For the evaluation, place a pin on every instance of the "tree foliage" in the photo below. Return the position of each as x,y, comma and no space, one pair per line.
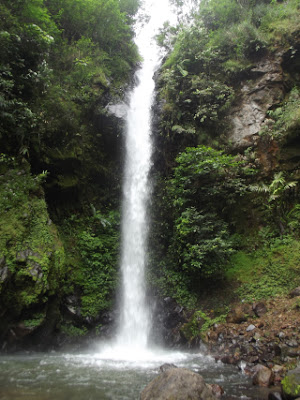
58,59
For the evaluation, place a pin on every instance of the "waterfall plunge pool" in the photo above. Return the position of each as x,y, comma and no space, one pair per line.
104,376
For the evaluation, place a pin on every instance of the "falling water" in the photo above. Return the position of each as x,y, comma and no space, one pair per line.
135,315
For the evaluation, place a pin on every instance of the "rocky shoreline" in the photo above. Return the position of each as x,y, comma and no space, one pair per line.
262,339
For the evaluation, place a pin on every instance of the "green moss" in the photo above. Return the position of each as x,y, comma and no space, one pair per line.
268,272
29,242
290,385
92,245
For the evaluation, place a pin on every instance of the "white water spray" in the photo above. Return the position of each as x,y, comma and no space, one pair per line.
135,315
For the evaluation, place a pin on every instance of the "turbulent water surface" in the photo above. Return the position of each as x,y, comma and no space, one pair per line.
87,376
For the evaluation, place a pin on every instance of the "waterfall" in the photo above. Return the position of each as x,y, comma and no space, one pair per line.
135,315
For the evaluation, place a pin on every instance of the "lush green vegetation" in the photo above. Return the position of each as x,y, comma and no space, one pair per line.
210,56
32,255
271,270
93,248
205,184
216,208
61,63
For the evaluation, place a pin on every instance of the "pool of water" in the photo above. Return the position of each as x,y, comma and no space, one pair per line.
101,375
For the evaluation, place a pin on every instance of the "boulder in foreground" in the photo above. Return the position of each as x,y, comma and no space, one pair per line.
178,384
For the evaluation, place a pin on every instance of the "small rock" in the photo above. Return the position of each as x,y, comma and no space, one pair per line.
216,389
278,372
263,376
259,309
281,335
72,310
238,315
292,343
4,274
277,369
230,359
250,328
292,352
295,292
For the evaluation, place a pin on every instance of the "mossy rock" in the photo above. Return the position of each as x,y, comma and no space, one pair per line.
31,253
291,384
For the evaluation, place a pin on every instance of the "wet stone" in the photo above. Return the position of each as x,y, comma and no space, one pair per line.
263,376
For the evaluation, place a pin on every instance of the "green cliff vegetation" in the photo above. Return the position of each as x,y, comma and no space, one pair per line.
62,62
226,219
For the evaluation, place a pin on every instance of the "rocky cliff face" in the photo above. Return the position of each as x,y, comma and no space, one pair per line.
262,91
267,87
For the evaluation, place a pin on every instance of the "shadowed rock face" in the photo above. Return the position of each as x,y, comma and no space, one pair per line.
178,384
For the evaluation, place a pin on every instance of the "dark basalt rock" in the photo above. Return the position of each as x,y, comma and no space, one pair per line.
168,317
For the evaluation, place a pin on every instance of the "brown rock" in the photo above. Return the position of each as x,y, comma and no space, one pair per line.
259,309
230,359
178,384
216,389
239,314
263,376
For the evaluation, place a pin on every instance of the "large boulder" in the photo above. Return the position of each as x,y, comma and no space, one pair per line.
178,384
291,384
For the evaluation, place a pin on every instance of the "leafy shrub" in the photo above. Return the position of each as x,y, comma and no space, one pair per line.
95,272
206,182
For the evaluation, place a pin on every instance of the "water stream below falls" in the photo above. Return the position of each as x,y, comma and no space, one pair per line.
87,376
